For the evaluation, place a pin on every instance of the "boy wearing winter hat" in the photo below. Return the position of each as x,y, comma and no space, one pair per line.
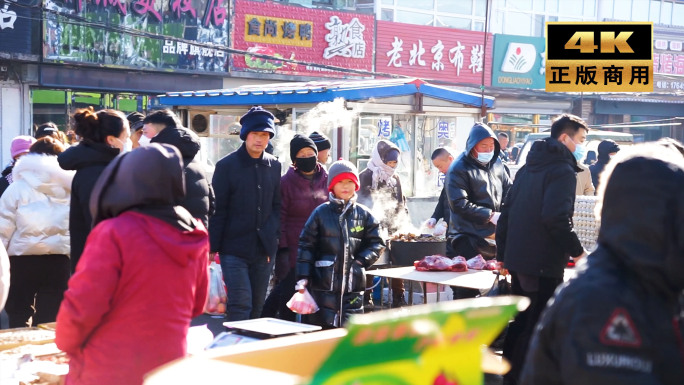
322,256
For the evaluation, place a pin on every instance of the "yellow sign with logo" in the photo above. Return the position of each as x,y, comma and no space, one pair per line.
599,57
275,30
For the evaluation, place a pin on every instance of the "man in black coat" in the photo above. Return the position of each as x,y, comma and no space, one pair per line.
477,183
199,196
620,320
535,233
245,228
606,149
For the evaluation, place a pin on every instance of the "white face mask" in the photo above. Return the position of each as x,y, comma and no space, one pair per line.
143,141
485,157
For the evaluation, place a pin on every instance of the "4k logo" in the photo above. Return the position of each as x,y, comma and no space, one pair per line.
599,57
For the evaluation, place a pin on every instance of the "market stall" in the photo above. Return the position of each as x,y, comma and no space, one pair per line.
417,116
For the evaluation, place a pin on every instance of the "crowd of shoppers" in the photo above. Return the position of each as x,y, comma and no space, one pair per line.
89,239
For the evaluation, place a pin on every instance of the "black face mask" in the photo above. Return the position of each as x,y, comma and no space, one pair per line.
306,164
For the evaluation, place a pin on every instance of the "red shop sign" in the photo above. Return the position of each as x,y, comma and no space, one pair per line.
446,54
318,36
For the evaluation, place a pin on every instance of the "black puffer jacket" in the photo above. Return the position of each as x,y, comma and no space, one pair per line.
619,321
535,231
475,190
334,237
89,160
199,196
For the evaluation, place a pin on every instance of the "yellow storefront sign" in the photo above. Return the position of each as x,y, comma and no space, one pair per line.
275,30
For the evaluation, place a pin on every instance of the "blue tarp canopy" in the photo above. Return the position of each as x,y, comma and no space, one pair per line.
321,91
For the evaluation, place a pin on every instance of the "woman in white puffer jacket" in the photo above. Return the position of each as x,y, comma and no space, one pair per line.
34,228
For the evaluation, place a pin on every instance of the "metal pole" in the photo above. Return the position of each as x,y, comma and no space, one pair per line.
483,107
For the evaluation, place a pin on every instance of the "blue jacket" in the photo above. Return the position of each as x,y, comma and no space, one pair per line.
247,218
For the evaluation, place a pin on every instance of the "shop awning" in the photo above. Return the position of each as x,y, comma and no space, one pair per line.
321,91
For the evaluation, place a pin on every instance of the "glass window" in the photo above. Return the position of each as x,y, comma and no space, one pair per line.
387,2
463,7
552,6
387,14
479,26
453,22
666,13
621,12
639,10
413,17
589,8
519,5
539,5
570,8
678,14
480,7
539,26
425,5
433,132
654,14
399,131
517,23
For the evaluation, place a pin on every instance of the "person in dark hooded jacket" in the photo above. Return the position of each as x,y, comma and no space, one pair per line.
104,135
620,320
339,241
129,304
476,185
535,232
199,198
606,149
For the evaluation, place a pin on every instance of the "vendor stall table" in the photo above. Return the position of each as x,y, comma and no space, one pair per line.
471,279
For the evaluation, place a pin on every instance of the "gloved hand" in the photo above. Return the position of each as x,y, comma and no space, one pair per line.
495,218
441,229
431,223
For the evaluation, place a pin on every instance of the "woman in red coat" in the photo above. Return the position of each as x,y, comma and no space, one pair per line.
142,276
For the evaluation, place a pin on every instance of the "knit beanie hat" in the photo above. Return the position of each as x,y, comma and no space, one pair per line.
21,144
340,171
299,142
391,156
257,120
135,120
322,141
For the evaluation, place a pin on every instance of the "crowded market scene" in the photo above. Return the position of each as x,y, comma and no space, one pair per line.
342,192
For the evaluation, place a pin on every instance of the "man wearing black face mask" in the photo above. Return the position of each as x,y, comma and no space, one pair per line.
303,188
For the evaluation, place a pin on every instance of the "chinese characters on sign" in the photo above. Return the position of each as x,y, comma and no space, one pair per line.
441,177
432,52
599,57
7,17
275,30
345,40
199,26
384,127
671,61
443,130
313,36
455,56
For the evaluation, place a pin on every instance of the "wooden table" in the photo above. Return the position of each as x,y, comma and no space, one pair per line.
471,279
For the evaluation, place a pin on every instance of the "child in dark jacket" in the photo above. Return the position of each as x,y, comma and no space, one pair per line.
340,239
